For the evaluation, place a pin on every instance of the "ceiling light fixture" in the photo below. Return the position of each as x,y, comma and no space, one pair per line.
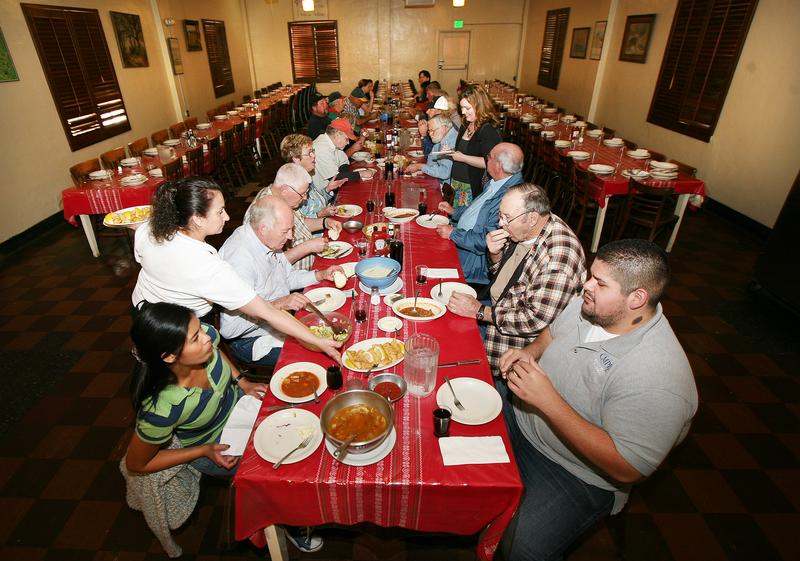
458,3
308,5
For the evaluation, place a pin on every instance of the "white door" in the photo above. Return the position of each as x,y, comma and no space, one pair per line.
453,59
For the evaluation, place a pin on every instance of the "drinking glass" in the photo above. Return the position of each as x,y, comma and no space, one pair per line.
359,311
421,274
361,245
421,364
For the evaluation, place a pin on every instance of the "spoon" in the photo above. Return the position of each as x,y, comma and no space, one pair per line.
341,451
416,295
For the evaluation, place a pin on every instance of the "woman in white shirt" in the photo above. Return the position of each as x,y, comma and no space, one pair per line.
179,267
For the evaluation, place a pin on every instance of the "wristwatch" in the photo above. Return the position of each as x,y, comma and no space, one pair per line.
479,315
236,378
323,222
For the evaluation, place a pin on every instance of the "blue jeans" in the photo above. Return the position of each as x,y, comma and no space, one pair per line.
242,349
207,466
556,508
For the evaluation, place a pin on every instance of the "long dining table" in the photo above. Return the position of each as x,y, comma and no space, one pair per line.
410,488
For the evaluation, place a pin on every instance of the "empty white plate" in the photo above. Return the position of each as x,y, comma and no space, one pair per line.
601,169
284,430
441,292
481,401
432,220
396,286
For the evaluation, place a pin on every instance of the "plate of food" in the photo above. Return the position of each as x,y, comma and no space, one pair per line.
370,228
335,250
366,173
400,215
326,298
441,292
432,220
384,352
348,211
416,153
362,156
131,216
425,309
349,268
297,382
283,431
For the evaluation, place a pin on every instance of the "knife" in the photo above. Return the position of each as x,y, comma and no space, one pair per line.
460,363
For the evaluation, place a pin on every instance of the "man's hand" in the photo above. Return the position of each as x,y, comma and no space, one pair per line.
463,305
314,245
291,302
444,231
416,166
334,184
496,240
510,358
327,274
446,207
532,385
334,225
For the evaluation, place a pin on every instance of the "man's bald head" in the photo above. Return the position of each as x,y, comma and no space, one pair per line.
509,158
267,210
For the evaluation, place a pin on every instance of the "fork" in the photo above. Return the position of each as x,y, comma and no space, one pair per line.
456,401
300,446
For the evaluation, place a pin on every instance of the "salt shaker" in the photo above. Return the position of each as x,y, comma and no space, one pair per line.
375,297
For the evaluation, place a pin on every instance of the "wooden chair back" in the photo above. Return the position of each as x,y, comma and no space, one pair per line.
173,170
195,158
176,129
214,154
608,133
80,171
648,207
136,147
685,168
159,137
210,114
190,123
238,138
250,132
629,144
111,158
657,155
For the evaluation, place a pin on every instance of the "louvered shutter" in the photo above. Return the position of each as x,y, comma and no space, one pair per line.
315,51
555,34
702,51
219,60
74,55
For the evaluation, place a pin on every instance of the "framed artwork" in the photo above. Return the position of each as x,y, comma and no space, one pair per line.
580,42
130,39
636,40
191,29
598,36
175,55
8,72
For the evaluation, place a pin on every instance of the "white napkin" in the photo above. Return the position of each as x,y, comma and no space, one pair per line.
442,273
239,425
460,450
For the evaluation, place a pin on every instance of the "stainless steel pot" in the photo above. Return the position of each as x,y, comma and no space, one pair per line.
356,397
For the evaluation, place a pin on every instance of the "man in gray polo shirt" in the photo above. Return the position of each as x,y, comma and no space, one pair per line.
599,400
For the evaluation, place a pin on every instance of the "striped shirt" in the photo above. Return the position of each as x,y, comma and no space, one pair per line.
195,415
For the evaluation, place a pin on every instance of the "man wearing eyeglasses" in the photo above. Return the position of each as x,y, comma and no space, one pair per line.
536,266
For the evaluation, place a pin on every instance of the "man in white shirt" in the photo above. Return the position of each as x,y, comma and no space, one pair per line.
255,251
332,161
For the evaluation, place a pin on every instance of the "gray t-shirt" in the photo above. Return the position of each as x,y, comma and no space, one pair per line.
637,387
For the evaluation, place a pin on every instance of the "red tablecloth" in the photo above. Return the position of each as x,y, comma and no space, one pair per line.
410,488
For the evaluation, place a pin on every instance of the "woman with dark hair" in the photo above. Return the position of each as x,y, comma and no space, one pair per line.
362,93
178,266
476,138
424,80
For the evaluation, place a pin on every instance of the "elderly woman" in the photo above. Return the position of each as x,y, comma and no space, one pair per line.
476,138
179,267
299,149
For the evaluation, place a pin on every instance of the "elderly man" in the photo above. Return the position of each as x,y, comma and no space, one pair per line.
533,277
255,251
318,120
298,148
475,221
331,160
291,185
442,133
599,400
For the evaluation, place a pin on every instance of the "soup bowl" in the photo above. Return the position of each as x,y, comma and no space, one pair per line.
392,266
357,397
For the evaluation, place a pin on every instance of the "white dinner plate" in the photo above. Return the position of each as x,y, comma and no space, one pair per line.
284,430
332,298
348,211
131,180
578,155
366,344
663,175
366,173
639,154
601,169
336,250
432,220
349,268
390,324
392,214
426,303
666,166
369,458
563,143
615,142
635,173
447,289
279,376
203,126
481,401
100,174
416,153
595,133
390,299
362,156
129,162
172,142
396,286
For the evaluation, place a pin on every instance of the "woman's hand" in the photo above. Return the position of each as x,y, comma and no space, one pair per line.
329,347
457,156
332,186
446,207
253,389
214,453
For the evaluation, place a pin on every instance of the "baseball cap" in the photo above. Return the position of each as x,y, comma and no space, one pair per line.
316,97
333,96
344,125
441,103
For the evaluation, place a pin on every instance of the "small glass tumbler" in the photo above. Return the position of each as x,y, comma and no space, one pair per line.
441,422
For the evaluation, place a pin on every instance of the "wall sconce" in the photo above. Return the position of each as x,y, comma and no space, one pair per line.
458,3
308,5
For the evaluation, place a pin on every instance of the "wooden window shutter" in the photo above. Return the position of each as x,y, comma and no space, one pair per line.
315,51
219,60
702,51
555,34
74,55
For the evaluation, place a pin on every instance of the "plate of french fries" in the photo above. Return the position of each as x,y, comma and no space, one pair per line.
377,353
126,217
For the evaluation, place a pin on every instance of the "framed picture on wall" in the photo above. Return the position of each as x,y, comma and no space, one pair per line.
580,42
175,55
191,29
636,40
130,39
598,36
8,72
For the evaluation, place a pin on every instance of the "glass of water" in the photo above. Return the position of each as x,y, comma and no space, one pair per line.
421,364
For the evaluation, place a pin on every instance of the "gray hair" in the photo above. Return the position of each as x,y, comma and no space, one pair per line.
510,160
440,121
248,214
293,175
534,198
265,210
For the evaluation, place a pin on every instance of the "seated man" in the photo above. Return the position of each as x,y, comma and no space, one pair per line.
599,400
298,148
533,278
475,221
318,120
331,160
255,251
442,134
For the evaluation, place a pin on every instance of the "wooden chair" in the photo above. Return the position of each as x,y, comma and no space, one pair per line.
629,144
111,158
136,147
656,155
190,123
215,158
608,133
651,208
81,171
159,137
196,161
584,206
173,170
250,155
591,126
685,168
176,129
210,114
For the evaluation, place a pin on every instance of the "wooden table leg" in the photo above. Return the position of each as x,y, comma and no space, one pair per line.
276,543
86,222
598,225
680,209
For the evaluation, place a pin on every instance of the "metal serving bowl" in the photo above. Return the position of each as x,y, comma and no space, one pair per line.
389,377
355,397
353,226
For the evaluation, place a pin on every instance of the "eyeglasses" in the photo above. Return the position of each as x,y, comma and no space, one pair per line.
507,220
307,154
303,196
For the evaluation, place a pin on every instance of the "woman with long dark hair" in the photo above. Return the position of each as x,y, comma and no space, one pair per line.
178,266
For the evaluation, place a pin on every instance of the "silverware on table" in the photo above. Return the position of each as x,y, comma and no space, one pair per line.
300,446
272,408
316,396
459,363
456,401
341,451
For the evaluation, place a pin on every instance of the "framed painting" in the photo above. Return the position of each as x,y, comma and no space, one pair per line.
580,42
598,36
130,39
636,40
175,55
191,30
8,72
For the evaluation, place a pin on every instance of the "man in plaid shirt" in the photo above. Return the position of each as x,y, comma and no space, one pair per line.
536,265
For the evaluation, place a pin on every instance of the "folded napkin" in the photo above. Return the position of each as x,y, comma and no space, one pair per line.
442,273
239,425
461,450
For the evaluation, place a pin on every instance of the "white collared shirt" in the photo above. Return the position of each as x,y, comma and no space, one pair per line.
329,160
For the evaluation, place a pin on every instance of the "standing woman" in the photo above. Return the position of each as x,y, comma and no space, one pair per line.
179,267
476,138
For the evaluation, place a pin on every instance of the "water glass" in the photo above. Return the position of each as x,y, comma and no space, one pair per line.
421,364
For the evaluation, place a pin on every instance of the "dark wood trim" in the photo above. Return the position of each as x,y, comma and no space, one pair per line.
15,243
737,218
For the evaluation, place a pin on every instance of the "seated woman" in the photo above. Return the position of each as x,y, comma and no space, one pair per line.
299,149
